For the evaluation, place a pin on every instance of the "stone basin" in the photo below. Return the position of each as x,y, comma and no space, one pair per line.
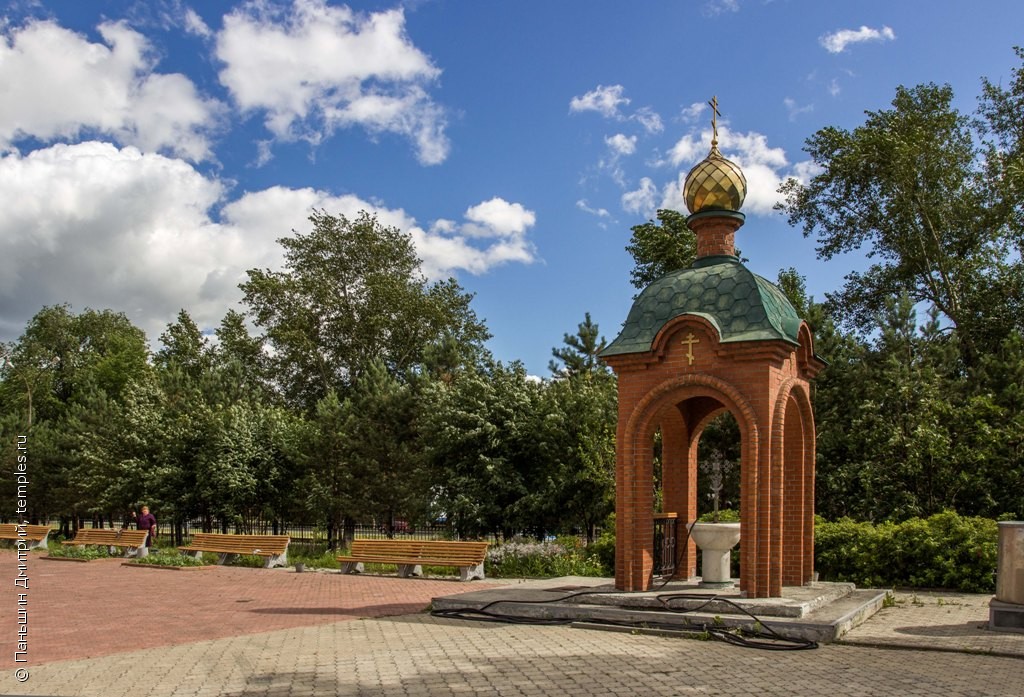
716,541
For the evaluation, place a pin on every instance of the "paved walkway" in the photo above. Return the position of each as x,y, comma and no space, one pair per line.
101,629
938,621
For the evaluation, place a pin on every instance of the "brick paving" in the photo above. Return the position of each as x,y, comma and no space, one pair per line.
939,621
299,635
86,610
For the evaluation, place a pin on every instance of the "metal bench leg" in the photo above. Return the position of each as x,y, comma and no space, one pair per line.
276,560
222,559
352,567
139,552
468,573
407,570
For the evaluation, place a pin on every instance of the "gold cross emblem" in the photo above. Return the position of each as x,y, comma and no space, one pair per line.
690,340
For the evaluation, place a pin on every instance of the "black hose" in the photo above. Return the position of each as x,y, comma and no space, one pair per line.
765,638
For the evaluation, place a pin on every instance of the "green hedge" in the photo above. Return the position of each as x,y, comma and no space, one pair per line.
947,551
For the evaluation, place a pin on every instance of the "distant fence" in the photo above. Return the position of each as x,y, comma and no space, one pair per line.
311,535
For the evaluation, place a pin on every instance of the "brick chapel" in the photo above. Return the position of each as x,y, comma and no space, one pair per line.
698,341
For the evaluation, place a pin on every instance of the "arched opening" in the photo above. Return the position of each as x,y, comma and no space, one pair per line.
795,455
719,441
681,411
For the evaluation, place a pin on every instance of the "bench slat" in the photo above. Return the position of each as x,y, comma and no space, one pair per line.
9,531
468,556
273,547
108,538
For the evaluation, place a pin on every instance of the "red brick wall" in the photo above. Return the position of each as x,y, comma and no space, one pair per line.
678,386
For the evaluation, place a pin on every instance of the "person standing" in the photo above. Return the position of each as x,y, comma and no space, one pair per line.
146,521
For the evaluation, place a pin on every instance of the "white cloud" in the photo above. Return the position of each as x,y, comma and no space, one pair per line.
649,119
713,8
57,85
762,165
195,25
641,201
805,170
833,87
837,41
765,168
314,68
498,217
444,247
106,227
607,102
746,147
585,207
603,100
690,148
672,195
621,144
443,226
795,109
693,112
762,184
101,226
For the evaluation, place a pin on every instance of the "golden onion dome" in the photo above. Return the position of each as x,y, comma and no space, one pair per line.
715,183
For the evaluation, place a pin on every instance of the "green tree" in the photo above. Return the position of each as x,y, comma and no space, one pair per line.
61,382
580,355
794,285
1000,111
241,360
184,348
908,188
328,486
575,487
351,291
481,432
61,356
660,247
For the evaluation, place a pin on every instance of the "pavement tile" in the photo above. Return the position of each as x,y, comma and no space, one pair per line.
79,610
101,630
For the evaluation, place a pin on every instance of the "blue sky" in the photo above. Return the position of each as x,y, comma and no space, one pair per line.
151,152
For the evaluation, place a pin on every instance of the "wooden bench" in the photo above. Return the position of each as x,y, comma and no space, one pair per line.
34,535
411,555
273,547
132,541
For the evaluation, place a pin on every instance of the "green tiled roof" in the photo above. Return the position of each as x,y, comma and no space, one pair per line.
741,304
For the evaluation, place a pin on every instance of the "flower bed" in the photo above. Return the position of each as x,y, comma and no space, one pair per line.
161,559
529,559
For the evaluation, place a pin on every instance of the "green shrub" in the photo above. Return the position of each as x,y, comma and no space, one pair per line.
72,552
945,550
604,549
725,515
168,557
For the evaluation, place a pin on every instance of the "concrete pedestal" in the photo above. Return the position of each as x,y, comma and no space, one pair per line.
1005,617
1006,611
716,541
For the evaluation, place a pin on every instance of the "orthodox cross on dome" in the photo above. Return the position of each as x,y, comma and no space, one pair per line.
715,113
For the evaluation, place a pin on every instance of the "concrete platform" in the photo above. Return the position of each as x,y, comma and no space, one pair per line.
821,612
